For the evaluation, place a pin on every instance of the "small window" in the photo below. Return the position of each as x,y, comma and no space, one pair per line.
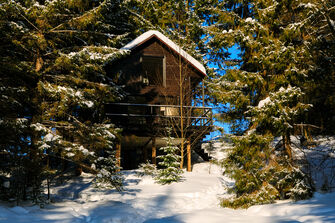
153,70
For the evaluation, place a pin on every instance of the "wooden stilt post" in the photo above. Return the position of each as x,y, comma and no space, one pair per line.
182,154
145,154
153,151
188,149
118,154
287,145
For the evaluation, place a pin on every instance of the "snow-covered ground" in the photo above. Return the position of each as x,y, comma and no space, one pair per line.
320,157
193,200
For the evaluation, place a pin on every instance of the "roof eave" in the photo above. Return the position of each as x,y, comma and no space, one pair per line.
130,46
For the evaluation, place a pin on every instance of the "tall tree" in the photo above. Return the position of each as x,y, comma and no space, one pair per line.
319,87
281,44
268,90
54,84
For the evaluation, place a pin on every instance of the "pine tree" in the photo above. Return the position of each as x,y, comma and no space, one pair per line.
319,24
105,161
54,85
262,173
281,44
170,162
264,94
17,81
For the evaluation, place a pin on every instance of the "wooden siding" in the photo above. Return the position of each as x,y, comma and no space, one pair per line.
130,72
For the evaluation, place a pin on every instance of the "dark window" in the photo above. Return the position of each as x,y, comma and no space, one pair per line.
153,70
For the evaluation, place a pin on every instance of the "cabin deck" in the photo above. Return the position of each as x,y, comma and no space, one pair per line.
144,127
149,119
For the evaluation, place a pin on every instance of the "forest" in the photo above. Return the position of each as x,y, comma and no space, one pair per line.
54,85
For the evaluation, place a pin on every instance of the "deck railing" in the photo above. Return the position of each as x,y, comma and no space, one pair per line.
159,114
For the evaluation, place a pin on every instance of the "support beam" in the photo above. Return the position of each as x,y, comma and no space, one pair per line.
145,154
145,151
118,154
153,151
287,146
188,149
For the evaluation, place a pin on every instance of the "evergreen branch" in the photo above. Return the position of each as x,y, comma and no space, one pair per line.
52,123
234,60
78,31
18,53
77,121
144,19
57,124
25,18
331,27
70,78
72,161
77,18
85,43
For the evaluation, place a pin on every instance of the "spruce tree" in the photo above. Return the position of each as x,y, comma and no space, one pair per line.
262,172
170,162
265,94
17,82
319,25
281,44
54,85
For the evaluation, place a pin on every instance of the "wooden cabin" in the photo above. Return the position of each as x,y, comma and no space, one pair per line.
160,80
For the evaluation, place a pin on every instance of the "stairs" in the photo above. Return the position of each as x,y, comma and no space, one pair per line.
201,152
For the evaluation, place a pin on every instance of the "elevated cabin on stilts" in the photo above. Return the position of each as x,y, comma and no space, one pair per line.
160,80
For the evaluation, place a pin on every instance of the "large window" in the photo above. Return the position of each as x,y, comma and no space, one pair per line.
153,70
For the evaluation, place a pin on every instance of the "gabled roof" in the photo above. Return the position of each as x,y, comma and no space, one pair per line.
153,33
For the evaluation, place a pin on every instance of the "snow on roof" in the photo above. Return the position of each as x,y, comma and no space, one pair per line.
153,33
